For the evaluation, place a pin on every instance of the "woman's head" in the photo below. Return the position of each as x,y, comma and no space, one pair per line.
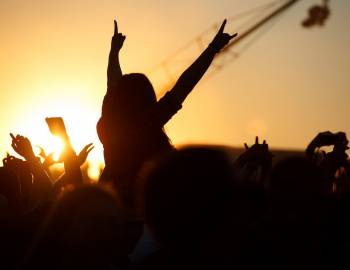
135,93
128,105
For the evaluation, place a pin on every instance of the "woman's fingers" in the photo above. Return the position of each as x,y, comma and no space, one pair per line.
221,30
90,149
115,28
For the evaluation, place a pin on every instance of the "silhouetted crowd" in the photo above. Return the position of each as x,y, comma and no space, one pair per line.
158,207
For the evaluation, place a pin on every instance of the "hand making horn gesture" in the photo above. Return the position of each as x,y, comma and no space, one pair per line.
221,39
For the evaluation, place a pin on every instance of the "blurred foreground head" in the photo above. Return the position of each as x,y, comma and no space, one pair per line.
189,200
85,228
296,185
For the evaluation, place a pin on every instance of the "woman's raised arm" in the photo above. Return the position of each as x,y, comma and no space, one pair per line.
114,72
195,72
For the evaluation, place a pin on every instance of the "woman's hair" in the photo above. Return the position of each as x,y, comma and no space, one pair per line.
138,85
129,104
134,97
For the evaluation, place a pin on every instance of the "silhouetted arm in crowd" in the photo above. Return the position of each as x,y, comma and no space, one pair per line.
329,163
83,154
195,72
22,169
327,138
72,175
48,160
114,72
72,163
42,186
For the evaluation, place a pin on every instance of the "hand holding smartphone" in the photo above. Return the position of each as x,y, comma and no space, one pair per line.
57,127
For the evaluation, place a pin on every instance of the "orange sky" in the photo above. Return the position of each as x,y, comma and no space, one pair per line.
289,85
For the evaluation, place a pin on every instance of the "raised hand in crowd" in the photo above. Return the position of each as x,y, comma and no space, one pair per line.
256,160
114,72
42,186
326,138
48,158
334,159
68,155
23,172
23,147
333,164
83,154
71,160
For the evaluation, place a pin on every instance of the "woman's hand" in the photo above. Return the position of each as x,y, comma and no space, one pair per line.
221,39
117,39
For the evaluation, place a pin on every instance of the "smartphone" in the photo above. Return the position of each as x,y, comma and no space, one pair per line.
56,126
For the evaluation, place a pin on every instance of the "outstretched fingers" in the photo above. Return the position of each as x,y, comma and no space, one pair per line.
222,27
87,146
233,36
86,150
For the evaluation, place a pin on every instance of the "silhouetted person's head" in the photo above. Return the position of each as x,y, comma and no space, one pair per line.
296,183
85,227
134,98
131,103
188,200
297,209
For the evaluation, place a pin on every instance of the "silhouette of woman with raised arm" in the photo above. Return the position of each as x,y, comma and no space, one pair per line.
131,126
